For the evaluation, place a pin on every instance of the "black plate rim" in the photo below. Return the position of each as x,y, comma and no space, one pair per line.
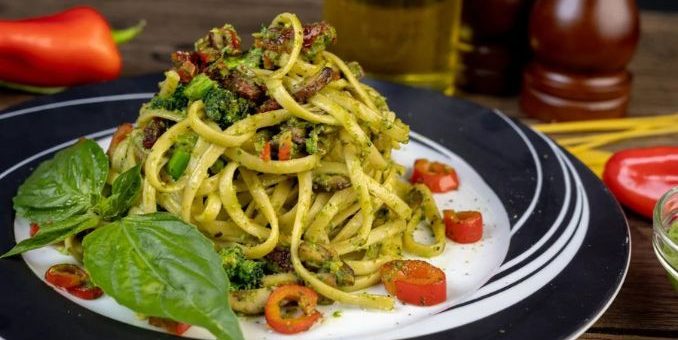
580,169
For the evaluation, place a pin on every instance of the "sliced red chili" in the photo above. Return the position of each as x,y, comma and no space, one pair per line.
66,275
414,281
34,229
436,176
86,291
463,226
174,327
285,147
266,152
306,300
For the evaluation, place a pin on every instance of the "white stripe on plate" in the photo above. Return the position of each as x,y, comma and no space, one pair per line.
504,299
540,176
75,102
54,149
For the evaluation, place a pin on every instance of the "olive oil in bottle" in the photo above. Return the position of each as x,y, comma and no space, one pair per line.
407,41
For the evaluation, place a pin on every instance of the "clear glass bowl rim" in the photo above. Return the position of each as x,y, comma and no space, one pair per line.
661,227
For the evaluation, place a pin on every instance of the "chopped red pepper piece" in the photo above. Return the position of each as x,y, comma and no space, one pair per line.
285,147
34,229
66,275
639,177
415,282
86,291
174,327
436,176
463,226
306,299
266,152
74,279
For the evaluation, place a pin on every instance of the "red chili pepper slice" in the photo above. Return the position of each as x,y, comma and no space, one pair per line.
86,291
463,226
638,177
266,152
306,299
34,229
436,176
415,282
174,327
171,326
285,148
66,275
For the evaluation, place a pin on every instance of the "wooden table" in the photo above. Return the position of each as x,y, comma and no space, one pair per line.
646,307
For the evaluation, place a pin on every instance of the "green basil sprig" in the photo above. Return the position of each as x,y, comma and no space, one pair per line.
154,264
124,192
65,195
158,265
69,184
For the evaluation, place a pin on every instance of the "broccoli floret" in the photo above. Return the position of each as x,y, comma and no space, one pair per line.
242,272
251,59
312,142
224,107
317,141
198,87
177,101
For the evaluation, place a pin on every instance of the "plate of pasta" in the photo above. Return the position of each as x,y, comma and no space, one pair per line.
273,191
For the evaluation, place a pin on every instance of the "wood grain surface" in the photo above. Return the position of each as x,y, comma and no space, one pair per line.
646,307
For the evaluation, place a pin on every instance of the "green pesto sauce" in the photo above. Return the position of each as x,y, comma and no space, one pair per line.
673,235
671,255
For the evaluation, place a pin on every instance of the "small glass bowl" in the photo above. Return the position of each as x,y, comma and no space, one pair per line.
665,240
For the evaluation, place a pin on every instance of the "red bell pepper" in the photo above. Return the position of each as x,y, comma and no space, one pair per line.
69,48
638,177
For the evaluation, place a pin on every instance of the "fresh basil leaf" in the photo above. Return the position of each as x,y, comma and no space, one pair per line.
68,184
55,232
158,265
124,192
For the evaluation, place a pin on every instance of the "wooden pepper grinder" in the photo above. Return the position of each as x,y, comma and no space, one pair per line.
581,49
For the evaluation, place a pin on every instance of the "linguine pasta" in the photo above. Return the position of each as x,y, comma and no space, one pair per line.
262,203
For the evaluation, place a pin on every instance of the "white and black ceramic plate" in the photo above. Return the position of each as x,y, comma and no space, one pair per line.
554,255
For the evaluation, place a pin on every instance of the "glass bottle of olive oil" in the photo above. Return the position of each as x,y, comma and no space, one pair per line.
407,41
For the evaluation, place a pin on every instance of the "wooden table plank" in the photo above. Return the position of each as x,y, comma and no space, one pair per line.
646,307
